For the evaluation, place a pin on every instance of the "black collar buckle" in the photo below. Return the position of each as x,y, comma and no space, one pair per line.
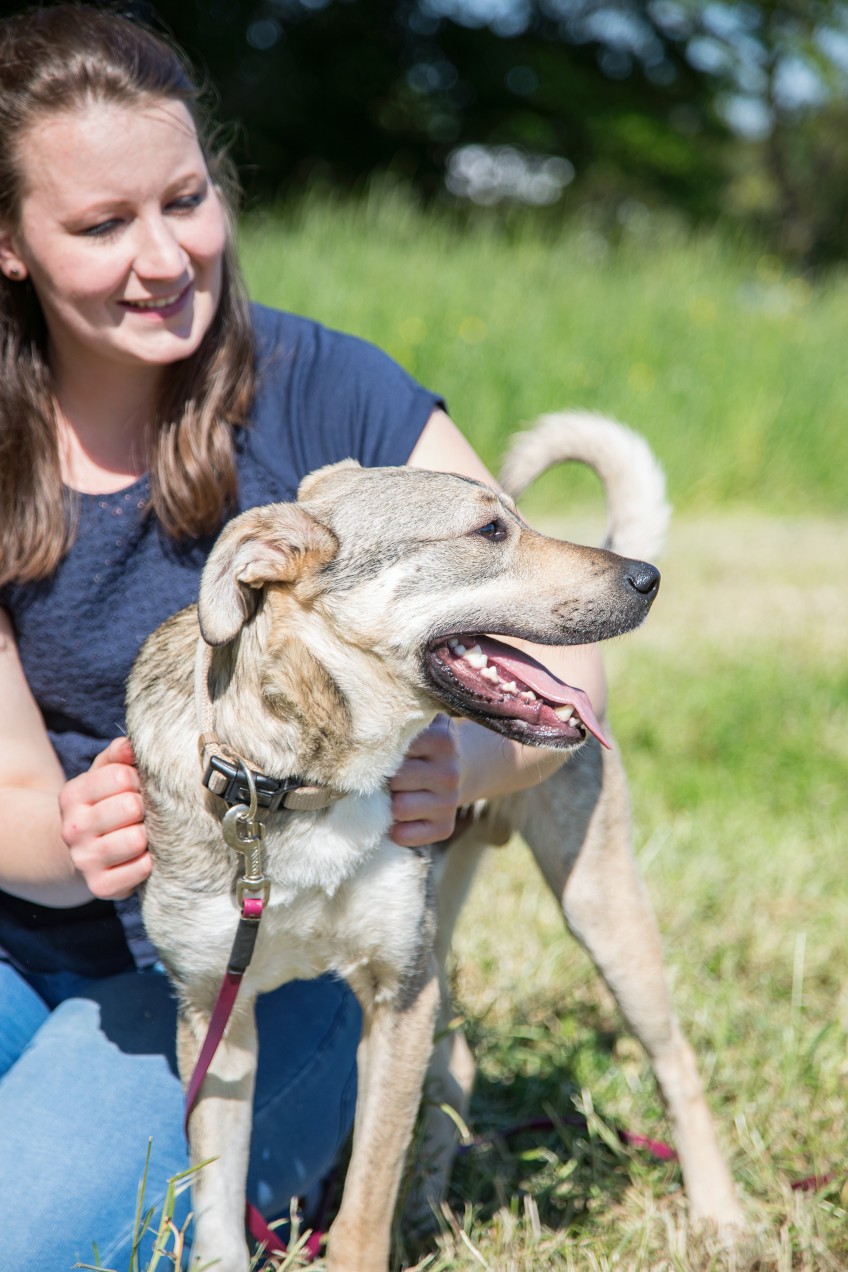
230,784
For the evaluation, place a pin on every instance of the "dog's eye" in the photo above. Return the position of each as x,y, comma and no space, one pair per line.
493,530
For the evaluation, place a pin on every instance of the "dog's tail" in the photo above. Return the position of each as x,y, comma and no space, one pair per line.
637,510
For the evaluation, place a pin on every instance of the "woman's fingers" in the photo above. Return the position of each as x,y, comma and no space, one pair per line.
425,789
103,823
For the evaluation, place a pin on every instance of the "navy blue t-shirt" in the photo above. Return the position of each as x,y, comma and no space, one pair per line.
321,397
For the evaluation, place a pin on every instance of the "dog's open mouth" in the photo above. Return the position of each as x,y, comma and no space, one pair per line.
510,692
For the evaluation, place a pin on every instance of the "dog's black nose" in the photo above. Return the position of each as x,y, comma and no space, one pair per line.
643,578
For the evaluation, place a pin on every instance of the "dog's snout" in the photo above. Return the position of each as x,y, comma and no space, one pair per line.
643,578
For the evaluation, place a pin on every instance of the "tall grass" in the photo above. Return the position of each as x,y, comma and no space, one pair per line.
729,364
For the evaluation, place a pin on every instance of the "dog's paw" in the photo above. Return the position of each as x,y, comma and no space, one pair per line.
728,1231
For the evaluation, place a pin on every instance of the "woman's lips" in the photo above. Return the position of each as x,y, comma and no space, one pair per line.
159,307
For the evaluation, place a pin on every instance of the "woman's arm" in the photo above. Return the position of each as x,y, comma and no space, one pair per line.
104,846
34,863
454,763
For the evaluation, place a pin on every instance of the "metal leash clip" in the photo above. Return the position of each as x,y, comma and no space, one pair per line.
245,834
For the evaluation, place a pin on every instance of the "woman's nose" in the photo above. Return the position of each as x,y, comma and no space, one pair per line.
159,252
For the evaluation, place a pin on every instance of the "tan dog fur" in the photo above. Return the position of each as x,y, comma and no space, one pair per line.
320,616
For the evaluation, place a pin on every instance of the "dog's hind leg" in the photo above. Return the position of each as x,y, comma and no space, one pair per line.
577,825
395,1047
219,1128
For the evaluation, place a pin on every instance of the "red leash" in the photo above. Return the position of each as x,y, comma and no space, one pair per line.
232,778
657,1148
245,936
240,955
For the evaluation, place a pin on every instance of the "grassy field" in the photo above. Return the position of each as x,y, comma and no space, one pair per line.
730,707
727,363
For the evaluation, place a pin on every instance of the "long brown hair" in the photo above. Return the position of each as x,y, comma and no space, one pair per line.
57,59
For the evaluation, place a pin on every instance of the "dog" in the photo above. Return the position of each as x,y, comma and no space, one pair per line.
328,632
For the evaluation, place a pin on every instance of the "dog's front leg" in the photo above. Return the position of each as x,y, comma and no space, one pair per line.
450,1076
219,1128
397,1038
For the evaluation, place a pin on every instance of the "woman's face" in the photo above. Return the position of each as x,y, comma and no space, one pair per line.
121,233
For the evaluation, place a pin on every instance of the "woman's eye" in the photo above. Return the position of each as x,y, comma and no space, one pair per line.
102,230
188,202
493,530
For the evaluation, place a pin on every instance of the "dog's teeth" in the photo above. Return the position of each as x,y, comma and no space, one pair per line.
490,673
527,696
476,658
565,713
510,686
458,649
453,642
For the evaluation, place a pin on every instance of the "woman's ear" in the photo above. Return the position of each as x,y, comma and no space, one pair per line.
12,264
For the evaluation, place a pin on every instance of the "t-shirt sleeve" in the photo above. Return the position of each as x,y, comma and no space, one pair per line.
324,396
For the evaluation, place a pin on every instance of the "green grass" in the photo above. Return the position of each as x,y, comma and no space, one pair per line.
731,708
728,364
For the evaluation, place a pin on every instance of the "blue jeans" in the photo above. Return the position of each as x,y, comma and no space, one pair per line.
88,1075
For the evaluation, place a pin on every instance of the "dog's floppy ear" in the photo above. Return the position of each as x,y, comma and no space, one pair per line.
278,543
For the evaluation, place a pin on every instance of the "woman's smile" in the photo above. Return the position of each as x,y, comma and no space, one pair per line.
159,306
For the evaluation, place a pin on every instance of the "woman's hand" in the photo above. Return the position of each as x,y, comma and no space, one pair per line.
425,789
103,823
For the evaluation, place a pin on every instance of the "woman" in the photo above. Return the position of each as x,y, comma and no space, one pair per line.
142,403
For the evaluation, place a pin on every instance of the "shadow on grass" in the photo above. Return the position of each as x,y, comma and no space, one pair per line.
537,1133
554,1158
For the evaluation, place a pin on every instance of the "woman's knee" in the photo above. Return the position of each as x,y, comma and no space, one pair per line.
98,1082
78,1110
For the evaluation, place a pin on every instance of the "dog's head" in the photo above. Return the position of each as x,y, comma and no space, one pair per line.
416,572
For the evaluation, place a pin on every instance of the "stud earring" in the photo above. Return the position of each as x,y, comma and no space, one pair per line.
14,271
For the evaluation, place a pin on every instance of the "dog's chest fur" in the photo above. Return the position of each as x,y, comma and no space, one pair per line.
369,929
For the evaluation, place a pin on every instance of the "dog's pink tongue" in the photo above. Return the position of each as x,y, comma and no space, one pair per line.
543,682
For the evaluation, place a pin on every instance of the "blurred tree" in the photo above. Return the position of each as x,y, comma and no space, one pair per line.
341,89
716,108
780,71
